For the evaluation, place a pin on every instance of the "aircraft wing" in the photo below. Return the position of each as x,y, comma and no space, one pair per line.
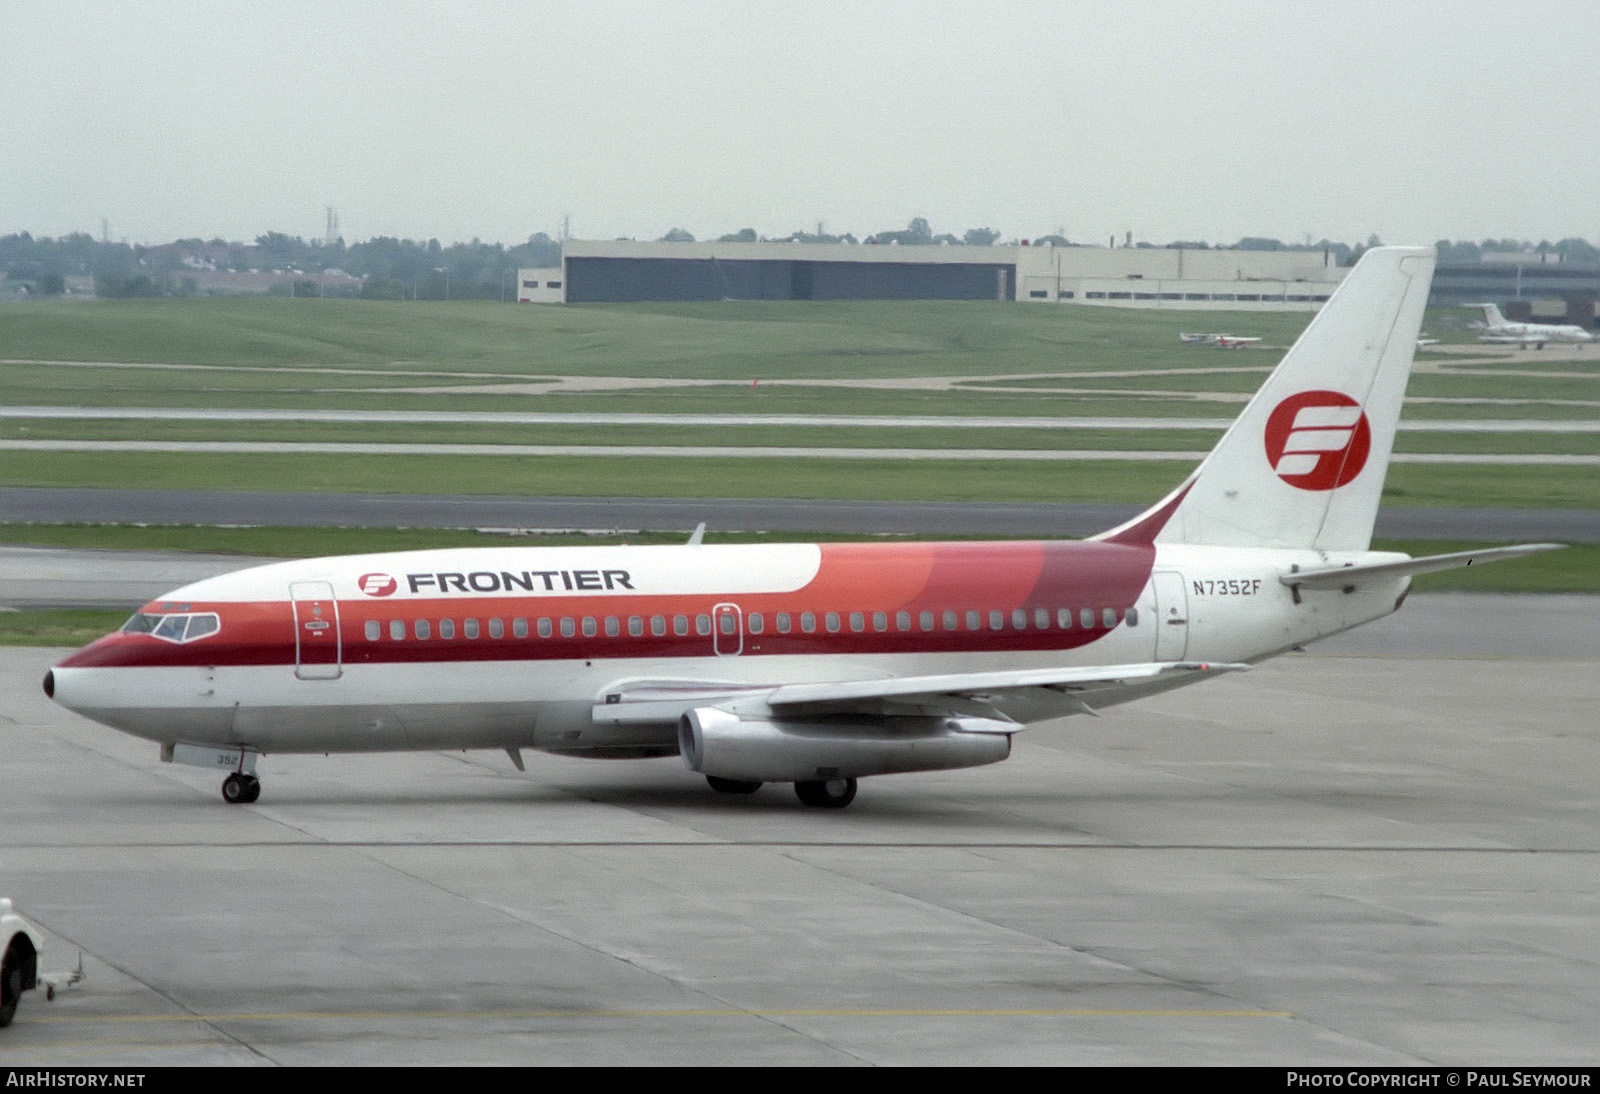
663,701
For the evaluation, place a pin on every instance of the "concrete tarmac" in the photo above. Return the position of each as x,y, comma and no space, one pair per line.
1379,853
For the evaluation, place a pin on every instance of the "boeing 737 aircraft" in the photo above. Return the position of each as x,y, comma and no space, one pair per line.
815,665
1499,329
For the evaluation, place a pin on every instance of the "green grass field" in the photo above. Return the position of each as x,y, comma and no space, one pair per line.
300,354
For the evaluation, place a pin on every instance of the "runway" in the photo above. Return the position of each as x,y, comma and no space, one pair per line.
740,452
798,421
52,505
1384,852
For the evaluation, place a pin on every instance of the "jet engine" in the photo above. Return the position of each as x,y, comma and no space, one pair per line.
723,745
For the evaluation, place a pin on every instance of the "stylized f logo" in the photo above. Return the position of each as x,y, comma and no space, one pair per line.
1318,440
377,584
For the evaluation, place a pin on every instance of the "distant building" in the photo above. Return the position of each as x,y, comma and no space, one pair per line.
613,271
540,285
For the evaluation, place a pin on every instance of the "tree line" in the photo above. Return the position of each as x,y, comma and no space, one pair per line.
387,268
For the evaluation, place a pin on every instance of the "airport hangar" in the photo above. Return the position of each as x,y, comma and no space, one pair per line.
1183,278
1188,278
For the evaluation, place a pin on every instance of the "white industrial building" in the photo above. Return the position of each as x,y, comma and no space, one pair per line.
1132,277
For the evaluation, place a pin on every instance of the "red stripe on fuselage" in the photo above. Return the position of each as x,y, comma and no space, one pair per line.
868,579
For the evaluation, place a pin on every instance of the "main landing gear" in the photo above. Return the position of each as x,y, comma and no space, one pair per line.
240,789
822,794
827,793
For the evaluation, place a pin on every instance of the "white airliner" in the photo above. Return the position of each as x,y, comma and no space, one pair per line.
807,664
1499,329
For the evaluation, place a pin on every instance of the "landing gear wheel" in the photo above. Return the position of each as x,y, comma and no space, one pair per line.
732,786
11,985
827,793
240,789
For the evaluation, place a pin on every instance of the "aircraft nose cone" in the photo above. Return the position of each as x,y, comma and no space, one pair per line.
50,683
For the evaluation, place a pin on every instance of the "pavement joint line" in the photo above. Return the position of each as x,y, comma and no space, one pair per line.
730,1012
723,843
792,452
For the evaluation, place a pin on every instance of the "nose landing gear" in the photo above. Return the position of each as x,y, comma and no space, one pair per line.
240,789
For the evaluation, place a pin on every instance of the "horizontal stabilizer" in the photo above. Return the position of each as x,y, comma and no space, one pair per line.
1336,577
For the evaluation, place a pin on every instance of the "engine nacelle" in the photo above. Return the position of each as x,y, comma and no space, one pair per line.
726,746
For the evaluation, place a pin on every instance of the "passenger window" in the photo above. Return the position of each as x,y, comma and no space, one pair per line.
658,625
447,628
858,622
422,629
469,628
546,628
1019,619
728,623
950,623
926,621
1064,618
1086,618
680,625
880,621
1132,617
397,629
831,621
902,621
613,626
1108,617
519,627
589,627
568,627
997,620
784,623
702,624
1041,618
635,625
973,622
374,630
808,622
755,623
497,628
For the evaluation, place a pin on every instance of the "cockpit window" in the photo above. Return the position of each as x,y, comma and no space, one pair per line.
174,626
171,627
141,623
200,625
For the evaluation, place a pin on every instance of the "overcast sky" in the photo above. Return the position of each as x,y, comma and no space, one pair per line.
1176,119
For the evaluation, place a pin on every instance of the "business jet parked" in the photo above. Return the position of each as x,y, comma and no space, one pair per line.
1497,328
806,664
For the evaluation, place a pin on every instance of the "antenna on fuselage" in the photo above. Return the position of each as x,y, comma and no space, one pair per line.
698,534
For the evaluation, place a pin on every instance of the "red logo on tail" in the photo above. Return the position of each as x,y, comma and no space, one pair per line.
377,584
1318,440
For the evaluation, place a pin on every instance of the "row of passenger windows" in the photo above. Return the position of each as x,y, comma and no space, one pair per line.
1039,619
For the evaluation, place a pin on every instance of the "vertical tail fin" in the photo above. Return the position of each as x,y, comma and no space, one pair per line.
1491,316
1303,465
